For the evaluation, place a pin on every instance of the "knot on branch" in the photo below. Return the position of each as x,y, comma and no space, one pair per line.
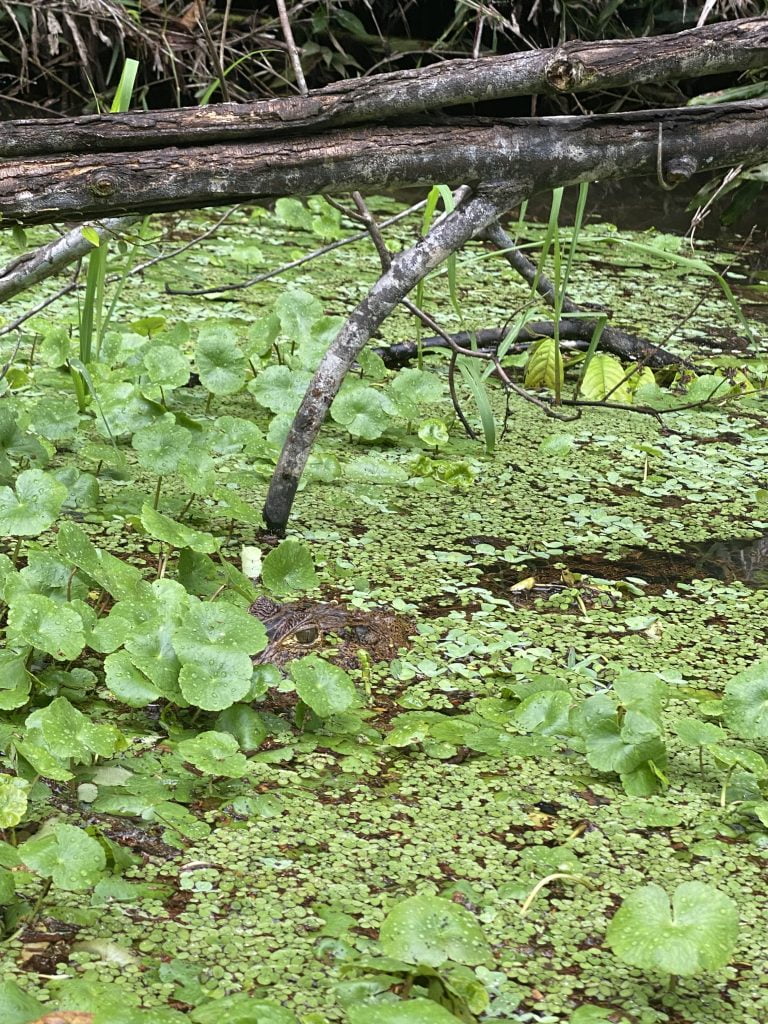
104,185
680,168
564,74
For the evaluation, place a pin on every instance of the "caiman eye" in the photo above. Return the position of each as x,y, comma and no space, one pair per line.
307,635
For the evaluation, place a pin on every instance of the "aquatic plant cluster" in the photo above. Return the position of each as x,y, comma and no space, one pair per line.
550,805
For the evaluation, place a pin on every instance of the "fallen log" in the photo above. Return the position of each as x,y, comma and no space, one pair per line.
573,67
536,153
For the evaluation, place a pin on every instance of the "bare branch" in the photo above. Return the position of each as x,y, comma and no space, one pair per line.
407,269
541,152
573,67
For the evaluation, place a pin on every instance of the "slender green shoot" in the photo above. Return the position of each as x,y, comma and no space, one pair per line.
92,322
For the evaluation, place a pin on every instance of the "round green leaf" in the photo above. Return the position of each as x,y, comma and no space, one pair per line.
56,418
298,310
67,855
216,680
166,366
695,733
13,800
219,626
412,388
161,445
288,568
745,703
365,412
324,687
48,625
215,753
429,930
413,1011
220,360
33,507
434,433
280,388
697,935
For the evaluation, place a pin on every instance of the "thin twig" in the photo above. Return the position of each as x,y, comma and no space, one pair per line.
213,53
293,50
74,285
298,262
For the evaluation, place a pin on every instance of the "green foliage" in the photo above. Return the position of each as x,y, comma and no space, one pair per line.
430,930
214,753
219,359
16,1007
414,1011
696,935
66,855
745,703
365,412
32,505
604,380
288,568
510,712
163,528
13,800
625,734
544,367
324,687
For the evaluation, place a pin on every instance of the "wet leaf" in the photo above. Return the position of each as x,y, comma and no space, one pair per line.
67,855
220,360
745,703
164,528
33,504
214,753
365,412
288,568
324,687
430,930
13,800
696,935
46,624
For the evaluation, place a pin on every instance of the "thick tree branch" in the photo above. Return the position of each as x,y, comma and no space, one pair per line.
573,67
548,151
407,269
33,267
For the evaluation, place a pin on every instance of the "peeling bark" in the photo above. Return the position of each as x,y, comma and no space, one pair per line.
573,67
548,151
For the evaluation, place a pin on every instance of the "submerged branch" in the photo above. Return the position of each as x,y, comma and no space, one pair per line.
626,346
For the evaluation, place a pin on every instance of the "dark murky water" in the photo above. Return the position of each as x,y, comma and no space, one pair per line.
742,560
